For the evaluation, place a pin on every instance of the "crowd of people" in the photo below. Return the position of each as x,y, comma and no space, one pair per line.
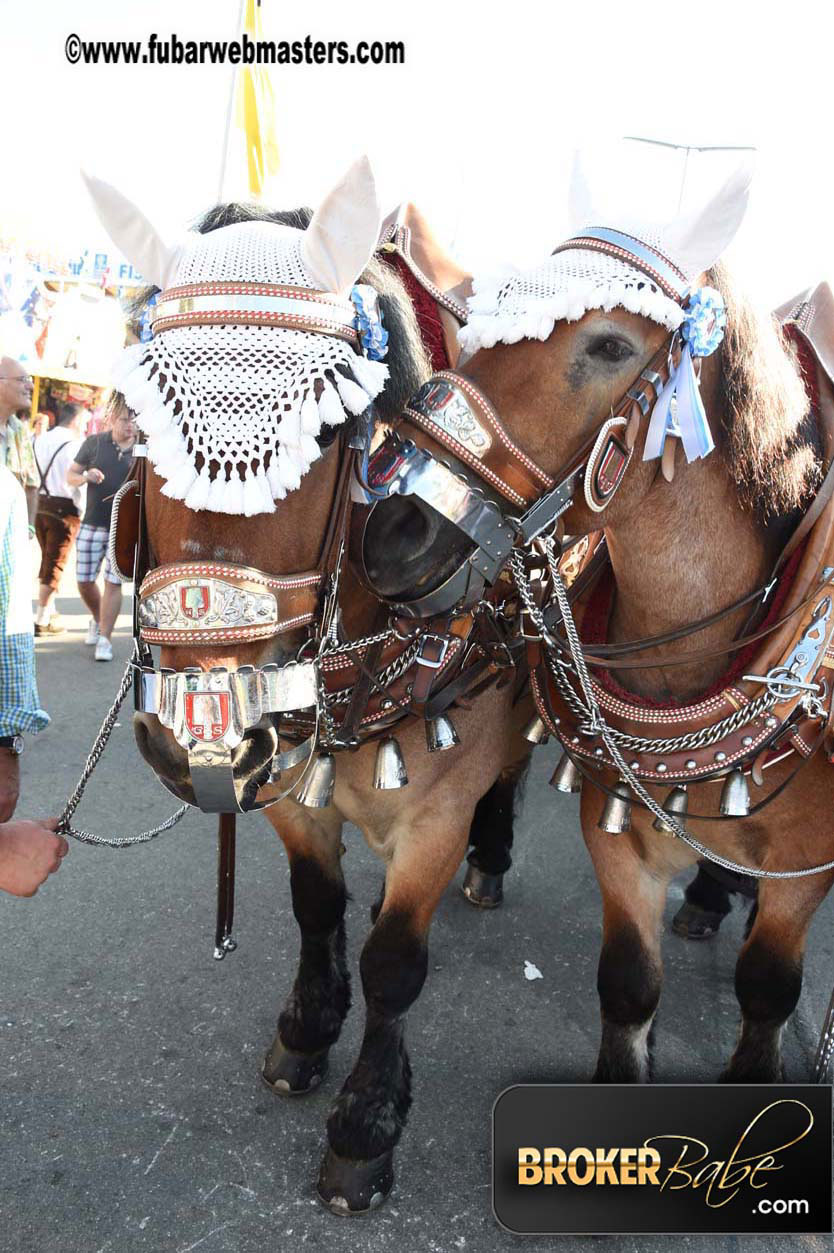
57,490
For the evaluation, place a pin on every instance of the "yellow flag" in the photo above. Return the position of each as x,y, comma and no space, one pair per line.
255,110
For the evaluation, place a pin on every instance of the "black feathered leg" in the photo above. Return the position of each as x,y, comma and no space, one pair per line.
312,1017
370,1113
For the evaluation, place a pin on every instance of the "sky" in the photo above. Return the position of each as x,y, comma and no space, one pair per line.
477,127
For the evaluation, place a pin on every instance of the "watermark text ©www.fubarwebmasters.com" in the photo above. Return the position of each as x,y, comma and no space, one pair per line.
171,50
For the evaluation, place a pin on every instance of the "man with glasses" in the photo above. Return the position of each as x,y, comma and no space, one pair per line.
15,444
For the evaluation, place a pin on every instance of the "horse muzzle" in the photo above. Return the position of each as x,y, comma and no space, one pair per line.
219,720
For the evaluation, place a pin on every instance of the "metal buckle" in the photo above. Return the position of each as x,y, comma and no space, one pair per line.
793,675
547,509
781,683
639,397
443,640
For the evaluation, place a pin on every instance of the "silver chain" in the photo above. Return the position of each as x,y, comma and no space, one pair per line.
600,727
641,744
99,744
393,671
365,642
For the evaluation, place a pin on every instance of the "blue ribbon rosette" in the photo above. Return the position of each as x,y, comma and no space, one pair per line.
679,410
372,334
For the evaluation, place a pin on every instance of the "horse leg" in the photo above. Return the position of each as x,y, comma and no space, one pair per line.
312,1017
370,1113
491,838
769,975
630,972
708,902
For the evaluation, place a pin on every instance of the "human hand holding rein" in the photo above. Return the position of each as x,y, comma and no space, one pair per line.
29,853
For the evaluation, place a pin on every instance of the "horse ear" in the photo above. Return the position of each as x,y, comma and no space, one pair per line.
699,238
581,209
132,233
343,234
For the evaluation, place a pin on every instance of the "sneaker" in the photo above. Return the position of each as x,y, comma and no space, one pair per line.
92,633
54,626
104,649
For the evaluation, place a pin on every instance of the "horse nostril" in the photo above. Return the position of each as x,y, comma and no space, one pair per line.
256,750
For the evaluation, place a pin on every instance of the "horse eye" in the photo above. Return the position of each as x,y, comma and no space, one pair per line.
610,349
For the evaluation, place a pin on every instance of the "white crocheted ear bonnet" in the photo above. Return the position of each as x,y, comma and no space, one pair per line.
260,337
614,258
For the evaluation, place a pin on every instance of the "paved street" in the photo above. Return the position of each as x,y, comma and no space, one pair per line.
132,1115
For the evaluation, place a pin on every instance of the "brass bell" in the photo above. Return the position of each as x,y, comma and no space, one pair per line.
566,777
735,796
676,804
535,731
316,790
440,734
389,767
616,813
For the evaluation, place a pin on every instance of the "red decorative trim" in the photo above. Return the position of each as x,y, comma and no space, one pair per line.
244,288
229,635
483,405
620,254
162,575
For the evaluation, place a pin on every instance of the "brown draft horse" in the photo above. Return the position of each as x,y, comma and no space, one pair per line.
680,551
421,832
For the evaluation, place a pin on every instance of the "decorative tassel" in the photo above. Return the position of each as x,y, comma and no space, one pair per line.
309,449
233,495
273,478
296,456
128,360
288,429
371,375
331,409
198,493
216,500
143,395
257,497
288,474
310,417
155,419
354,397
167,445
179,484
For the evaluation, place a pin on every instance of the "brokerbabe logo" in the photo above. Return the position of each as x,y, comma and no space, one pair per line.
723,1158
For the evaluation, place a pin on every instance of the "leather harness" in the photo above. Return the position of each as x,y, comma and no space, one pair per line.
754,722
362,687
451,449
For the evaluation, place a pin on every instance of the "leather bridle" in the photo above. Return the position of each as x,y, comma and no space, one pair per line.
216,603
451,450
